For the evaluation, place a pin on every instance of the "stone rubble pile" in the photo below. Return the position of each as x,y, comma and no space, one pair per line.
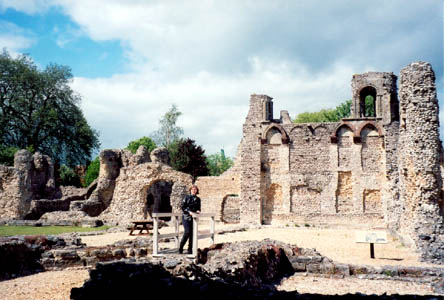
241,270
249,268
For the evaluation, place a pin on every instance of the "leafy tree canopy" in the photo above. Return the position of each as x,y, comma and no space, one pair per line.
325,115
168,131
143,141
188,157
218,163
39,110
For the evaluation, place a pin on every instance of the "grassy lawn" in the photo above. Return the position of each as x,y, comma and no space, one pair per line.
45,230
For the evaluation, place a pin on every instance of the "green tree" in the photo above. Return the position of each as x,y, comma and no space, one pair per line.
68,176
343,109
38,109
188,157
92,172
218,163
168,131
325,115
369,103
143,141
7,155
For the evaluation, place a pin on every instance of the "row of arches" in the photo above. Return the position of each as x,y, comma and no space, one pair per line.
275,134
356,132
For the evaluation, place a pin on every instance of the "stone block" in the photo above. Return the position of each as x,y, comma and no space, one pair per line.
313,268
327,268
66,254
119,253
299,267
342,269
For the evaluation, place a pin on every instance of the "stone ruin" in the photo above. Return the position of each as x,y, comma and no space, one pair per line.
119,195
379,168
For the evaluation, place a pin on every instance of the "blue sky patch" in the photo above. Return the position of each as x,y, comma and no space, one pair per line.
56,39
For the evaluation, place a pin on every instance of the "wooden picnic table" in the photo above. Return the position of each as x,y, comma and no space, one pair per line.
142,225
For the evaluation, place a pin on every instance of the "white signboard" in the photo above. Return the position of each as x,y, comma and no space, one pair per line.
371,237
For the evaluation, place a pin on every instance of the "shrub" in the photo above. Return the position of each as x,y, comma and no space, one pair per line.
145,141
7,155
68,176
92,172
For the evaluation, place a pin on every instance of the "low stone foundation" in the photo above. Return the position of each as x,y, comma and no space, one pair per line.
241,269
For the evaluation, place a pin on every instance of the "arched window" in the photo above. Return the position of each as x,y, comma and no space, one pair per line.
367,98
274,136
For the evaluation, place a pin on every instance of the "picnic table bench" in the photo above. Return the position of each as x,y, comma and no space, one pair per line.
142,225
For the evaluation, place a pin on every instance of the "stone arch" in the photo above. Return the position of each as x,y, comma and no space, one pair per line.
320,130
345,138
299,131
369,124
300,134
230,209
340,128
372,148
368,107
177,193
274,134
159,193
345,126
129,200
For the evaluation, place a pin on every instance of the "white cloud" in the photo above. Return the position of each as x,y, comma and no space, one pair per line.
27,6
14,38
126,107
209,56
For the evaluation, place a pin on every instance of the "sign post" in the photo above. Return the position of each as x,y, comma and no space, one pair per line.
372,238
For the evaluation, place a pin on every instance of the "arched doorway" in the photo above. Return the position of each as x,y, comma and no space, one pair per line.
158,198
367,98
230,212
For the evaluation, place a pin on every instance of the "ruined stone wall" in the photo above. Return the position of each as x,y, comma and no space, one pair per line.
131,187
309,166
32,177
217,194
382,87
421,216
331,169
250,148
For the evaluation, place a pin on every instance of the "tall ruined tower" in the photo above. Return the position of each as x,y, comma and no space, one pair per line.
420,186
261,111
374,96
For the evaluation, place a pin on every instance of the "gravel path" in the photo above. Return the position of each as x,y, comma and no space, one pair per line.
337,244
54,285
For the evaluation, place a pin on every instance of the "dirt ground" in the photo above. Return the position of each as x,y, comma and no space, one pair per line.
337,244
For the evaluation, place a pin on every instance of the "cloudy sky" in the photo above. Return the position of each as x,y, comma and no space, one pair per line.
133,59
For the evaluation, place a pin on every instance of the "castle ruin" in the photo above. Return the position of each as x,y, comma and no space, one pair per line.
379,168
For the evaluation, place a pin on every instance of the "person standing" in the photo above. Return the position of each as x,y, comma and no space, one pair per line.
190,204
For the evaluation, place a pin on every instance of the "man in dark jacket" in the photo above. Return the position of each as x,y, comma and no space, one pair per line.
191,203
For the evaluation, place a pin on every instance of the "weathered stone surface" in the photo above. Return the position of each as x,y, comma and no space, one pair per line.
160,155
381,167
421,216
132,188
241,270
32,177
72,218
20,256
